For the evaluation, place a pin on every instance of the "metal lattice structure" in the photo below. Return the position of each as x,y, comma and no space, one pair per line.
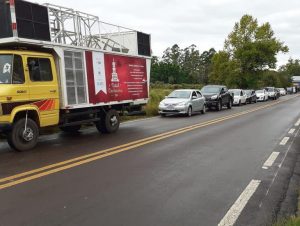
70,27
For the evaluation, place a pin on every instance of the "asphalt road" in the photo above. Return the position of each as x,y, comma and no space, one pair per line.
204,170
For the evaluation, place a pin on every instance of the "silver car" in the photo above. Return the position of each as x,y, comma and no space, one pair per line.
185,101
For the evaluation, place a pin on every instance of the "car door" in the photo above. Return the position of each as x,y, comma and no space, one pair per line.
43,88
201,100
244,96
195,101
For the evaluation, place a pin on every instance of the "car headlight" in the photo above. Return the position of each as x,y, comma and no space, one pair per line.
214,97
161,105
183,104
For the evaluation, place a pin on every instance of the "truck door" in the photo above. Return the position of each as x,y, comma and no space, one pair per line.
43,88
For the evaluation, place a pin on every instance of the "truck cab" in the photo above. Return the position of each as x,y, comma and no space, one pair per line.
29,95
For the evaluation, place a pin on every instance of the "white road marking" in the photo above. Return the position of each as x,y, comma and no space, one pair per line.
237,208
271,160
292,131
284,141
298,123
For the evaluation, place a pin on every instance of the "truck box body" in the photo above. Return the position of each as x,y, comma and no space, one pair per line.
100,69
95,78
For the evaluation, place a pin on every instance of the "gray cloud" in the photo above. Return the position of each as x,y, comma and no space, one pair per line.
204,23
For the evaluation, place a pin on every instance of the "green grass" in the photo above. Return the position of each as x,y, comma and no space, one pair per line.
293,221
156,96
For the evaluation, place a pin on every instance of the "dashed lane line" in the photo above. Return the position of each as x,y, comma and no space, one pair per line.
270,161
292,131
284,141
234,212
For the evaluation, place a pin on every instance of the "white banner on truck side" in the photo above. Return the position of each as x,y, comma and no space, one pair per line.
99,72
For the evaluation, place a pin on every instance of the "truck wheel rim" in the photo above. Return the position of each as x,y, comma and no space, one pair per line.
114,120
28,135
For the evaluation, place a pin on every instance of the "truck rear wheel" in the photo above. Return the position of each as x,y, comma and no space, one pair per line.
23,140
109,123
71,129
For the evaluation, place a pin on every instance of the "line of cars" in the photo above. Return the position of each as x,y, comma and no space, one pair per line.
190,101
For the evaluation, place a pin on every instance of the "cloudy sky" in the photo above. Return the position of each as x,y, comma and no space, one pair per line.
203,23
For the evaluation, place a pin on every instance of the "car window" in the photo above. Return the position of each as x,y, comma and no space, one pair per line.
194,94
40,69
199,94
242,94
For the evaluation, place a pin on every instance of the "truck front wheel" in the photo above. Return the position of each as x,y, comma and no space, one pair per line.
109,123
23,137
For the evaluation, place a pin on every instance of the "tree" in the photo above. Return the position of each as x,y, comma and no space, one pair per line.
182,65
206,64
251,49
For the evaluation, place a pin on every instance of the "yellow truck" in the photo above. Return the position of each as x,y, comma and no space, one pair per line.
61,67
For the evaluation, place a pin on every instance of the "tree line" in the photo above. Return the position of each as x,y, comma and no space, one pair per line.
248,60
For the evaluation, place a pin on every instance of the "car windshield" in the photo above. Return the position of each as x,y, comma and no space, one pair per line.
236,92
180,94
270,89
210,89
6,62
248,92
259,91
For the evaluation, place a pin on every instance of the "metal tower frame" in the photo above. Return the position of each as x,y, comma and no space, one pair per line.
75,28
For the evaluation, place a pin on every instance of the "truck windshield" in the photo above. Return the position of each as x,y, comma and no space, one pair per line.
6,67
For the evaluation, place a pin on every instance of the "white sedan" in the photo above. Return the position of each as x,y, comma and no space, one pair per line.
262,95
282,91
240,96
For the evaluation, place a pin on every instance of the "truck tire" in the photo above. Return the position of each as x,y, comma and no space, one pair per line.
229,105
70,129
219,106
109,123
21,140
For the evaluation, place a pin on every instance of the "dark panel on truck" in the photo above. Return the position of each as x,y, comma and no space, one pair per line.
144,47
32,21
5,20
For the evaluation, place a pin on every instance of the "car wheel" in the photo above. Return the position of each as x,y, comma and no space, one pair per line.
229,105
189,112
203,110
219,106
240,103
